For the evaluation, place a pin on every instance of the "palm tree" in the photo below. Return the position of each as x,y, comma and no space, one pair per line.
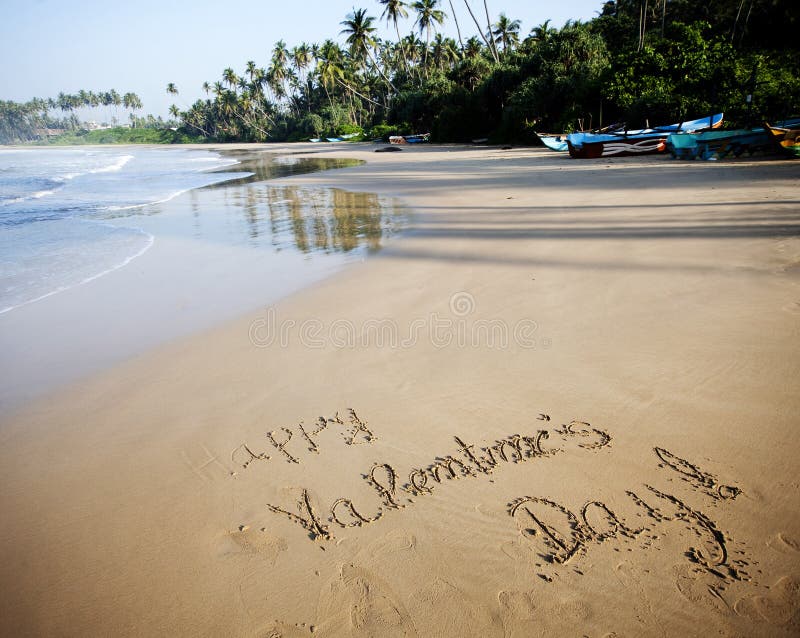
358,29
473,48
280,54
329,67
172,89
506,32
278,71
482,34
131,102
542,32
301,59
250,69
229,77
174,111
427,17
393,11
444,52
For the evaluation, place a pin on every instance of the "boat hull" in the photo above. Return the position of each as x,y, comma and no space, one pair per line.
787,140
554,142
712,145
637,142
409,139
618,147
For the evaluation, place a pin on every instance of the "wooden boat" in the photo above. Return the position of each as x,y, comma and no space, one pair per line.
712,145
786,136
409,139
637,142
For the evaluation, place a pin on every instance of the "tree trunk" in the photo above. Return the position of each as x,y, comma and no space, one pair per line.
489,30
458,29
480,31
399,41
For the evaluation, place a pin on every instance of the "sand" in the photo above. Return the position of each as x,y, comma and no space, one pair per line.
563,403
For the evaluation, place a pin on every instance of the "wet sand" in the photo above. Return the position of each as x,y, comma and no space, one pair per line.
218,252
564,402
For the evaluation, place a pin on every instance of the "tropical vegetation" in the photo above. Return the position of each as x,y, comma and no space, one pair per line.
637,61
21,122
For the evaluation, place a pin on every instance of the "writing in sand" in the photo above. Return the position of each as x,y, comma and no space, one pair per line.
558,533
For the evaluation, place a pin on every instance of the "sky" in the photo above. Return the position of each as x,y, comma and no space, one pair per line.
48,46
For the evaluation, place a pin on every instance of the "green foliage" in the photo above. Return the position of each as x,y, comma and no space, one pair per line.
120,135
349,129
637,62
384,131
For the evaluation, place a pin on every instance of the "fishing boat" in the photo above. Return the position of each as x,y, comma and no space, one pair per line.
786,136
558,142
636,142
409,139
554,142
713,145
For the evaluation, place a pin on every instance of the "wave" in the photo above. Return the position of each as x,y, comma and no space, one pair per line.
23,198
213,158
211,169
157,201
113,167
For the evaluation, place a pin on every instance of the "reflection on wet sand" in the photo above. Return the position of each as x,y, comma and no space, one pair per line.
314,220
251,211
264,166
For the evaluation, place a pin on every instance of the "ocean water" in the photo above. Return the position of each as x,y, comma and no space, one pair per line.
106,253
55,207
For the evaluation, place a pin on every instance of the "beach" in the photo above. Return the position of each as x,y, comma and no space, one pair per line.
562,401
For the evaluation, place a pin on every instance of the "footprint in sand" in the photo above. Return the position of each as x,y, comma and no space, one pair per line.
781,607
519,614
639,603
357,603
442,604
784,543
247,540
397,540
696,586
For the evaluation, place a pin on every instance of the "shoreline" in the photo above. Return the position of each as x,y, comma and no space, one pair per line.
615,328
152,298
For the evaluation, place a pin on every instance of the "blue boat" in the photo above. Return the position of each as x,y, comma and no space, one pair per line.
636,142
554,142
558,142
409,139
713,145
417,139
